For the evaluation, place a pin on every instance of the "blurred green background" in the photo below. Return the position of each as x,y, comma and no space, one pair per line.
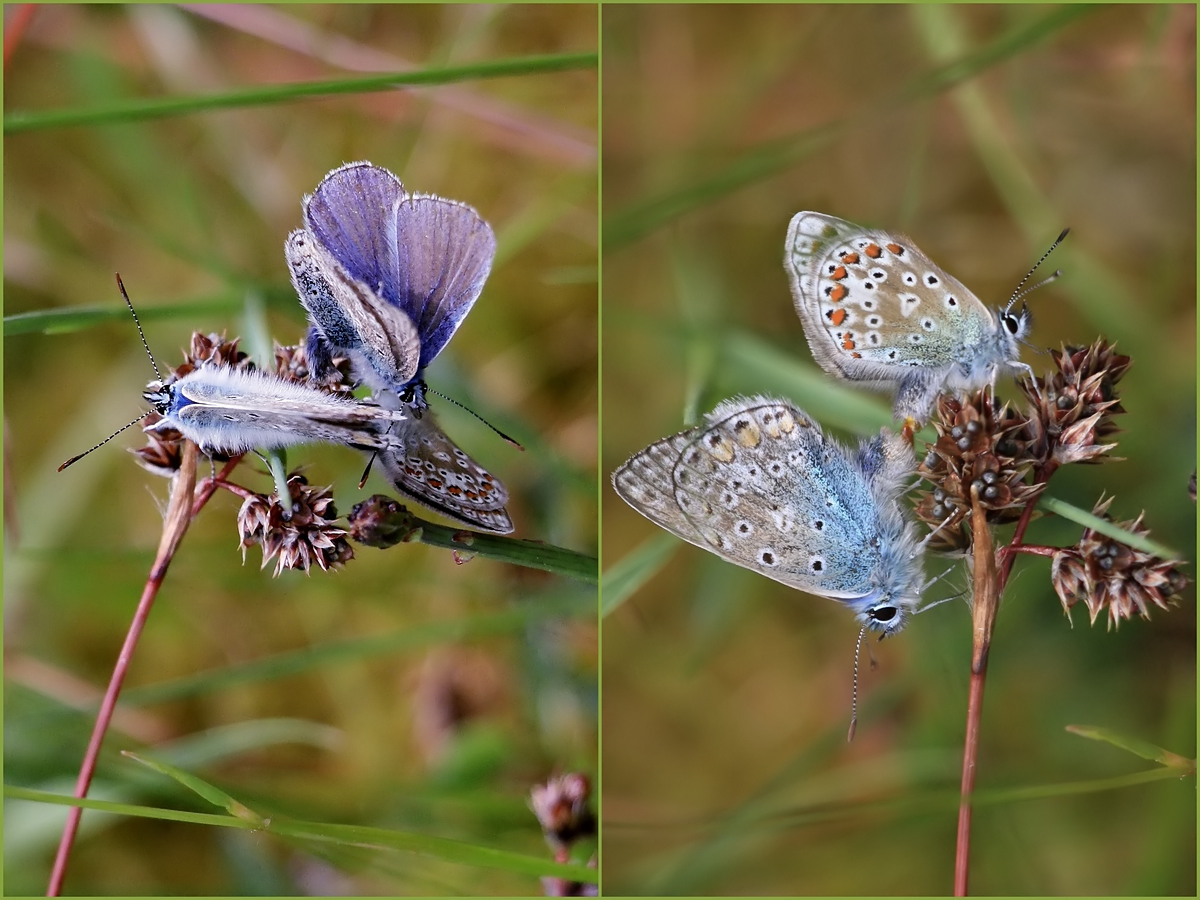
980,131
456,687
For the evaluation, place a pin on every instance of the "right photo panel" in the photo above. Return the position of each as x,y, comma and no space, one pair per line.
898,450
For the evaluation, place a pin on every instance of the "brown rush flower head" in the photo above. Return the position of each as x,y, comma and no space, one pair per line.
212,348
380,521
1105,574
1073,408
308,537
161,455
978,445
563,809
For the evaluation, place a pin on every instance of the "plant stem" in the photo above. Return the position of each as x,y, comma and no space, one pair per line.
380,521
179,516
986,604
989,584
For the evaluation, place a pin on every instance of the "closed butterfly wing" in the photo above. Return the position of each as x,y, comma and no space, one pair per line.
645,482
348,318
877,311
761,486
749,485
426,466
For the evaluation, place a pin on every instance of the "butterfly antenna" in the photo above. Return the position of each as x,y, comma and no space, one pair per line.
102,443
1041,284
141,334
854,689
512,441
1018,293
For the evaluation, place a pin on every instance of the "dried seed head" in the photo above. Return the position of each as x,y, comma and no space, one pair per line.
1105,574
980,447
563,810
308,537
1073,410
379,521
561,807
163,451
212,349
553,886
457,686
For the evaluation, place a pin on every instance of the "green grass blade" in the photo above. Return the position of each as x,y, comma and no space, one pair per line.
1105,527
1137,747
345,835
201,788
143,110
627,577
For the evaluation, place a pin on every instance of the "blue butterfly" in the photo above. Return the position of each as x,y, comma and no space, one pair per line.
386,278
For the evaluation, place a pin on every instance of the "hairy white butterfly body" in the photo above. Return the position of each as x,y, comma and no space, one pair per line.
230,410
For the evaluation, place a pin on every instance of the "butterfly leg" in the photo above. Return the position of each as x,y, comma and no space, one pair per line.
1027,371
915,398
320,354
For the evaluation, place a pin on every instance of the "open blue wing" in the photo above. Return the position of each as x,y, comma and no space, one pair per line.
426,255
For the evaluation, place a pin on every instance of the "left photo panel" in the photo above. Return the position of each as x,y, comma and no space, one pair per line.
301,450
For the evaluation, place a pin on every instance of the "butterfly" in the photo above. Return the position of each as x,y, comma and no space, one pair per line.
387,277
762,486
227,409
878,311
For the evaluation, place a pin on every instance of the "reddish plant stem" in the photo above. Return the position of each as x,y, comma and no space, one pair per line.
179,516
983,611
15,27
1008,558
1031,549
208,486
989,584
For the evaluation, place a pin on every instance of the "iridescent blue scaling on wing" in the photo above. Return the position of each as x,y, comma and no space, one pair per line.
425,257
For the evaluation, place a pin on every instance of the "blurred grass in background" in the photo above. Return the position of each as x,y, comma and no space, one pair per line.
980,131
428,696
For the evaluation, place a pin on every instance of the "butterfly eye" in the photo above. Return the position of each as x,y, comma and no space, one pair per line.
886,618
1017,324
